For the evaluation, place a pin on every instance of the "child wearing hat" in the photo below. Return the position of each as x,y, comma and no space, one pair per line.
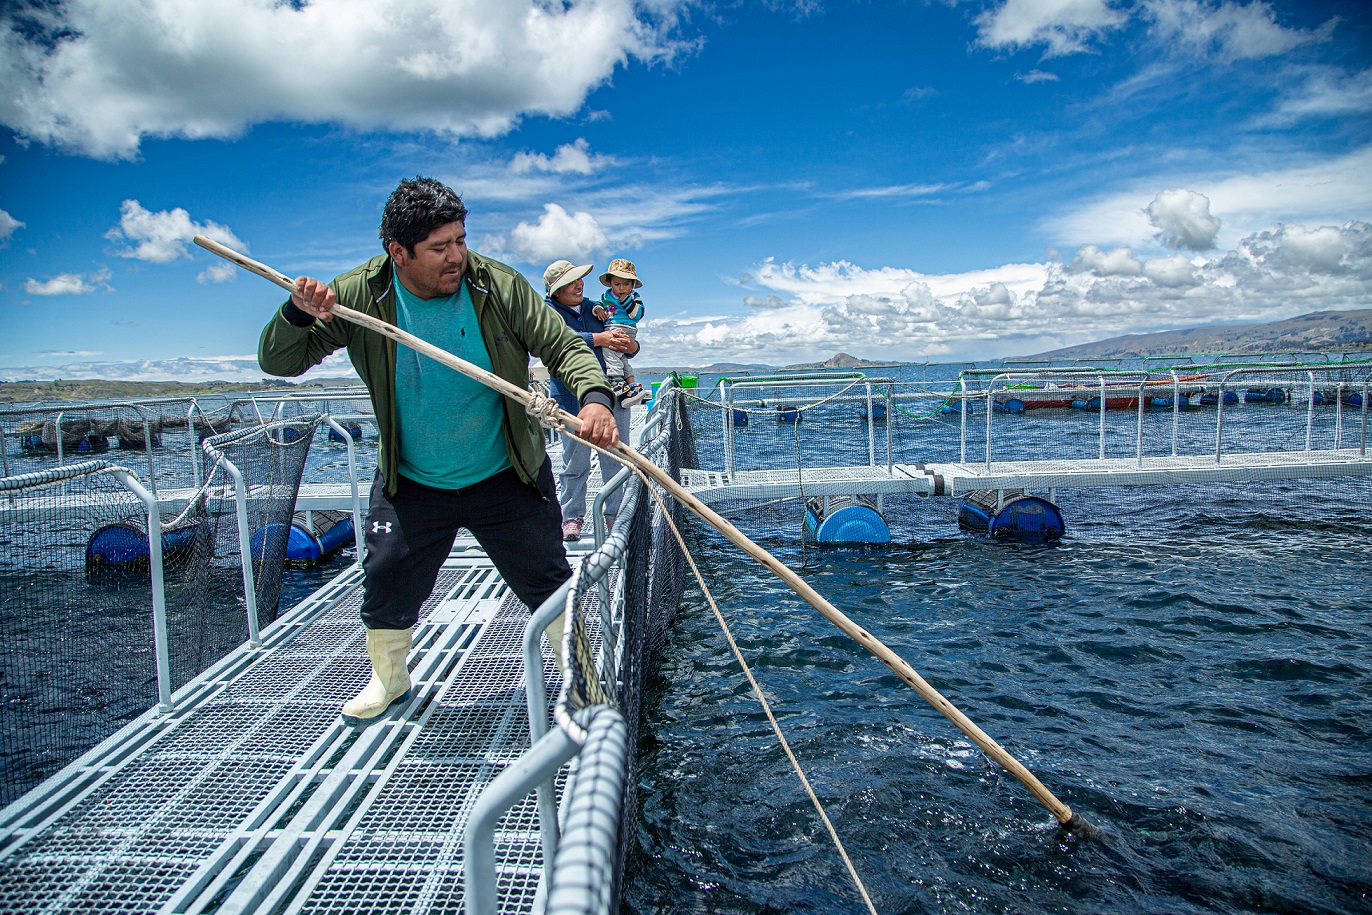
621,307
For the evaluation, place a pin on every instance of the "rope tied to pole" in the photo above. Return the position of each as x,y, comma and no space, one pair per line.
543,408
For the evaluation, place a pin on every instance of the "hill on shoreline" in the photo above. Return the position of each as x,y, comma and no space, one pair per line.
1318,332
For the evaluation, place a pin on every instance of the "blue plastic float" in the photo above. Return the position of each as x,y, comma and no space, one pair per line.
354,431
120,550
1011,514
332,529
845,520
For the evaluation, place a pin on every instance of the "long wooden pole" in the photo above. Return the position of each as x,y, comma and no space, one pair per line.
1061,811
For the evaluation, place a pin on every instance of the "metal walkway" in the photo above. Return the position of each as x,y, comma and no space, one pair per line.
957,479
254,796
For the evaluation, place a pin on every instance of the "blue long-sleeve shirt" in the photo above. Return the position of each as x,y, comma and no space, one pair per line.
581,319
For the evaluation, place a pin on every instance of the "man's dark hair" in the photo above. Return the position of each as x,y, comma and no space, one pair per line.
415,208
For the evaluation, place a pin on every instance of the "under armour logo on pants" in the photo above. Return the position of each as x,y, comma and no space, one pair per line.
381,527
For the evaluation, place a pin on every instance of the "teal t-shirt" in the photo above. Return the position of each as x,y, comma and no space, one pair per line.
449,425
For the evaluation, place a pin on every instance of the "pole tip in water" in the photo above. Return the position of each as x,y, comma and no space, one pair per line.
1079,827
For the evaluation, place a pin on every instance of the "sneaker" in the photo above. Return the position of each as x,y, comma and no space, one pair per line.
633,396
571,529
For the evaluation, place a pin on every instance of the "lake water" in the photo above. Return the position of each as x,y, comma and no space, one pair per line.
1189,669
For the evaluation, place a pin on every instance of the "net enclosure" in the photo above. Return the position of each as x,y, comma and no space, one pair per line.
93,635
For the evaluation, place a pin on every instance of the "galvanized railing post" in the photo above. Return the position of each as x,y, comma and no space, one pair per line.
240,496
159,592
352,479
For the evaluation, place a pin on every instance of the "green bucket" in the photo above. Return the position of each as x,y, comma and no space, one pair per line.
688,381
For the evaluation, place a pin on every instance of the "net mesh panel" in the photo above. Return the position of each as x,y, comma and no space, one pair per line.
654,573
271,459
75,593
62,688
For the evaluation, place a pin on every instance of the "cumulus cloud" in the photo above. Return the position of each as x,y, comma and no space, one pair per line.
1065,26
558,234
70,284
574,158
1170,272
1183,220
161,237
1326,189
1116,262
802,312
98,77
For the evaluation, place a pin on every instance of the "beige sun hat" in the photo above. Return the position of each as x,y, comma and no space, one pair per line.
622,269
563,273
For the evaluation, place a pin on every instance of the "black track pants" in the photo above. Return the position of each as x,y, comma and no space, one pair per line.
410,534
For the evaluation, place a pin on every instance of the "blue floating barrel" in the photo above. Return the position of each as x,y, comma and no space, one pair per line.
1013,406
1085,404
92,444
957,406
332,529
120,550
787,414
1160,403
1210,400
1011,514
740,417
1353,400
878,411
845,519
354,431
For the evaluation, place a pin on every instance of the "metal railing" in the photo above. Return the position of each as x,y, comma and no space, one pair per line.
581,855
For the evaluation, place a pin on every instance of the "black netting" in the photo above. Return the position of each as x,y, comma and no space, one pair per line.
78,658
655,572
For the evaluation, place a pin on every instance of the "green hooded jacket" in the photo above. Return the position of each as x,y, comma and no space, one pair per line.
515,322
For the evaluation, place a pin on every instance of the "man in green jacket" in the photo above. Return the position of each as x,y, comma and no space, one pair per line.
454,453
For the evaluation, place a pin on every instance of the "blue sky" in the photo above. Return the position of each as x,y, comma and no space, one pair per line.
918,180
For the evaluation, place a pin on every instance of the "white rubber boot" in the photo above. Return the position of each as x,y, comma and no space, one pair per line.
390,682
554,634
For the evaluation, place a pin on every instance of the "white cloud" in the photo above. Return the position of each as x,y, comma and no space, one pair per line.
162,237
1116,262
1065,26
8,225
216,273
69,284
1037,76
1183,220
806,312
559,234
573,158
1172,271
1227,30
101,76
1325,93
1336,189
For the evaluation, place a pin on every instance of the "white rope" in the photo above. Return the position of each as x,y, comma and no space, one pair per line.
747,672
544,409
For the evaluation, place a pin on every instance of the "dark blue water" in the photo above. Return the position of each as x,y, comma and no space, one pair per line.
1189,669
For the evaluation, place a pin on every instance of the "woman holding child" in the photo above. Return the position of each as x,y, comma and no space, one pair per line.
565,294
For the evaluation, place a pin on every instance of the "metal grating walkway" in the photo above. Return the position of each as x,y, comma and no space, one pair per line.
958,479
253,796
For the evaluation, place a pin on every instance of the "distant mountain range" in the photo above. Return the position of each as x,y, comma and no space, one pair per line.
1320,332
1323,331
